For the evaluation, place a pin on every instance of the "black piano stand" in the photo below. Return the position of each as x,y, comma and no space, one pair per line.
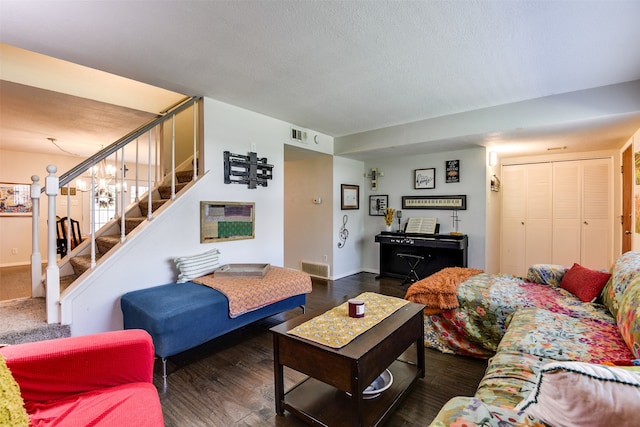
412,262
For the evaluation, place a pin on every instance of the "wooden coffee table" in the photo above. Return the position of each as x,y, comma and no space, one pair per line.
322,399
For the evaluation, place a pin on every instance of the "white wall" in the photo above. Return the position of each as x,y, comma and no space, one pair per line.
398,182
347,260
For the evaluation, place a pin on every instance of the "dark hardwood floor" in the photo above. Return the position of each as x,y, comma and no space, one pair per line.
229,381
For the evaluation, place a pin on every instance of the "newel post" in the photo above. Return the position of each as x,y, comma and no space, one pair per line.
37,288
53,272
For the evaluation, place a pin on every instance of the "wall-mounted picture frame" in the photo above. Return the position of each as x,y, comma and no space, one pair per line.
435,202
452,171
378,204
220,221
424,179
15,199
349,196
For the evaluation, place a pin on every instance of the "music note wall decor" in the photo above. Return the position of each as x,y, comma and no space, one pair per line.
344,233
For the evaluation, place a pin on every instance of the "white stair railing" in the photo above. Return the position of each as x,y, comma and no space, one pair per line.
53,183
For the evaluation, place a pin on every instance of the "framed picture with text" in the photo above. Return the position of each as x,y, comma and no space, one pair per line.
378,204
424,178
452,171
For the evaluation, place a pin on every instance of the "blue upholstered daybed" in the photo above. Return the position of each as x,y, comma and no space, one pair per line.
180,316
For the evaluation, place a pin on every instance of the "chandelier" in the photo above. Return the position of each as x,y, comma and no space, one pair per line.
101,173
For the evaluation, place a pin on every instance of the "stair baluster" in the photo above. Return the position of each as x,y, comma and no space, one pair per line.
37,287
195,144
149,195
173,156
53,272
123,236
92,220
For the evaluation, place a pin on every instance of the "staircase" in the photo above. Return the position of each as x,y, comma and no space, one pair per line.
161,156
107,240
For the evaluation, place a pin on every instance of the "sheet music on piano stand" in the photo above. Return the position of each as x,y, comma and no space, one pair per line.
421,225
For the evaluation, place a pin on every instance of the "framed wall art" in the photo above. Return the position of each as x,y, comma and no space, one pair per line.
15,199
220,221
452,173
378,204
349,196
424,178
435,202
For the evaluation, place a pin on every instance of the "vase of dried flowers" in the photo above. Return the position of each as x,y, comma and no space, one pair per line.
388,217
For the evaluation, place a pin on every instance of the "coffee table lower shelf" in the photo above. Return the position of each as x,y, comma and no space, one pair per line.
324,405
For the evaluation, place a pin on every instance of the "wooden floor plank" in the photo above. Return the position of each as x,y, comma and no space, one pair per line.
229,381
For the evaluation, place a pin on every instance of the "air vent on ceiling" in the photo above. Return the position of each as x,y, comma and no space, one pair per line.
298,135
316,269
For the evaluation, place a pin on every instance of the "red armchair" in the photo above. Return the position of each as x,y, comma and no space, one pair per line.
94,380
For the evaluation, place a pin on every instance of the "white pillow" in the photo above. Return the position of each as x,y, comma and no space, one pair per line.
193,266
585,394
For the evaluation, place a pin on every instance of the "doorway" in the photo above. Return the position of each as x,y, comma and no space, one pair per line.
308,207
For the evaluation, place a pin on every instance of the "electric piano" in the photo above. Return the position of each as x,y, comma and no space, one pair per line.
438,251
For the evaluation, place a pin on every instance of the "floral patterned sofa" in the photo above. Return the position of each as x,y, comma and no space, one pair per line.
553,355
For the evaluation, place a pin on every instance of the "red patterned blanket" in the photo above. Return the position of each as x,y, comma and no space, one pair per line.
246,294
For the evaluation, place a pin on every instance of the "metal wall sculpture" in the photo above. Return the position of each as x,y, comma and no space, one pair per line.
249,170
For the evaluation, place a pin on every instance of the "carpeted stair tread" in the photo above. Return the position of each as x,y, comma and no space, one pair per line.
106,242
82,263
155,204
165,190
184,176
131,223
65,281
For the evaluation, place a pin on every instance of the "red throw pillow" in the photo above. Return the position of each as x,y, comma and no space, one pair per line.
584,283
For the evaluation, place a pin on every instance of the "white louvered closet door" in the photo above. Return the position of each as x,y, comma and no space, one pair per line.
597,214
512,246
557,212
539,220
526,217
567,212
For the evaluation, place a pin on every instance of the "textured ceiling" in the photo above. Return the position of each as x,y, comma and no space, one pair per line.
346,67
79,126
